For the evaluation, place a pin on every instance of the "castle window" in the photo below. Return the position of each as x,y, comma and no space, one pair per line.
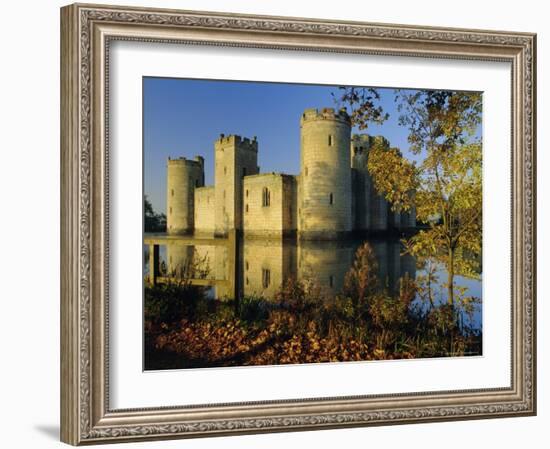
172,192
329,140
246,208
247,193
225,170
306,171
266,197
247,266
331,199
170,210
266,277
331,281
247,280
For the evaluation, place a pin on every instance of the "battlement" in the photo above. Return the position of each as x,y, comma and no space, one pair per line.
332,196
269,175
198,161
361,143
244,143
313,114
205,189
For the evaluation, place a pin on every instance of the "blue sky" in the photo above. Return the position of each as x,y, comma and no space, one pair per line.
184,117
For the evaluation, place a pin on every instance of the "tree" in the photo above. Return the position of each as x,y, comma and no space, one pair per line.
153,222
443,125
363,102
445,187
449,200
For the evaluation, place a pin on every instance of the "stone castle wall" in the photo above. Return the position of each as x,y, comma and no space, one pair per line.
266,265
408,219
269,205
235,157
325,263
183,176
205,198
325,202
371,209
178,258
332,196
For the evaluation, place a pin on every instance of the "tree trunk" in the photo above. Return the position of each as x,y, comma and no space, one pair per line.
450,277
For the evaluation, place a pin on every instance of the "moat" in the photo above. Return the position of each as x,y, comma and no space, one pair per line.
259,267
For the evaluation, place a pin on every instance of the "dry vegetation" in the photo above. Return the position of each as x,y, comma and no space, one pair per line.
184,328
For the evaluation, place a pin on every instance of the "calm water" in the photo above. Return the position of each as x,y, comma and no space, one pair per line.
263,265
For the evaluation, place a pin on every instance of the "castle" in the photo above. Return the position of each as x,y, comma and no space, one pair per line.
333,196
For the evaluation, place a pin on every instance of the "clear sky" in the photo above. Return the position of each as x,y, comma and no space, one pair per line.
184,117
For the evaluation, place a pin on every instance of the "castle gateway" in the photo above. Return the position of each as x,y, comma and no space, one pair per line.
332,197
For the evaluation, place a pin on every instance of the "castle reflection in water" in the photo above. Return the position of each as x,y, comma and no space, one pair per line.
263,265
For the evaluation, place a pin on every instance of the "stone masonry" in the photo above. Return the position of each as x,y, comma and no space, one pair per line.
333,195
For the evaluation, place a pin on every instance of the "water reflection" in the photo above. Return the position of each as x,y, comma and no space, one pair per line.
263,265
266,264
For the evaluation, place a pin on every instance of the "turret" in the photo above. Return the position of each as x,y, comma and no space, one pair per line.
325,193
183,175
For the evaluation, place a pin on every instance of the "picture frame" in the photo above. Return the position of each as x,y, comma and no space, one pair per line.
87,31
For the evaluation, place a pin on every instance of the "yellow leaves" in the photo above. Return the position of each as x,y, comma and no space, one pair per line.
394,177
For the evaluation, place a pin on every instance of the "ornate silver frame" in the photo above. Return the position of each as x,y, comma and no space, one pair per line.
86,32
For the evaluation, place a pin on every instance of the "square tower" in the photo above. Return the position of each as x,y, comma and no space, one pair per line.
235,157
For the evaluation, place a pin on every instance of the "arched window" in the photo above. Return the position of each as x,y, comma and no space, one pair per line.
330,140
266,197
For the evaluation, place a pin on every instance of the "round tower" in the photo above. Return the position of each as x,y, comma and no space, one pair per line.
325,198
182,176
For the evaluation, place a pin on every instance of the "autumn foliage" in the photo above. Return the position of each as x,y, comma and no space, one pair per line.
302,324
